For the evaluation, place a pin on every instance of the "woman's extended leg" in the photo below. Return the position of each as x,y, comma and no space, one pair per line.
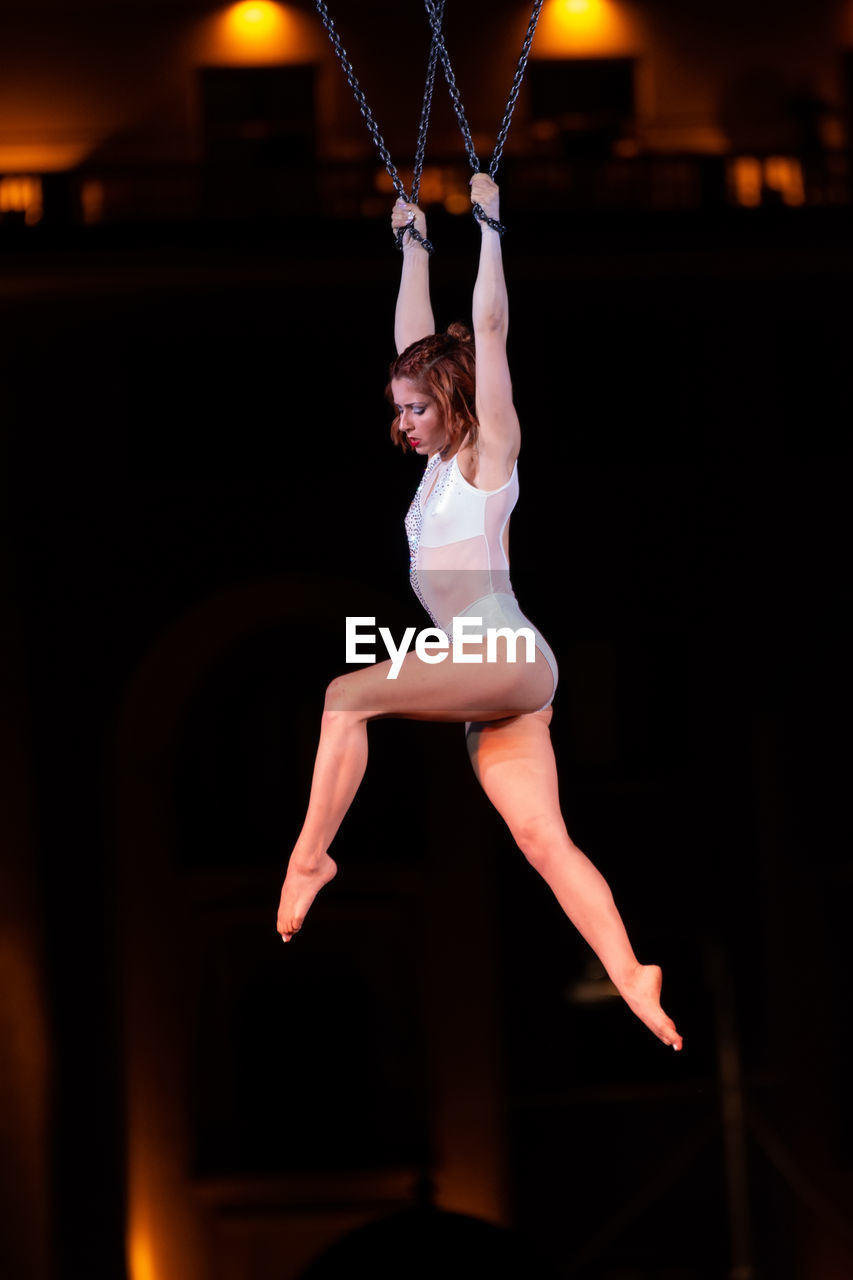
449,691
514,762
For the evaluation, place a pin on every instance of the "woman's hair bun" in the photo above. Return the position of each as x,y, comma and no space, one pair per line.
460,332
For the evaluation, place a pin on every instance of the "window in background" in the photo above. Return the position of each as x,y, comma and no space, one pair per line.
21,200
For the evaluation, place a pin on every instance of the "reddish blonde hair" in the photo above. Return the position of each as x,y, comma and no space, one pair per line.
442,366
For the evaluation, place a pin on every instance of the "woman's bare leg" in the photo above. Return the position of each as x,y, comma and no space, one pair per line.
514,762
445,692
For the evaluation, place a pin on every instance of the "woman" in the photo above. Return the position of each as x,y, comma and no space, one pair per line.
457,528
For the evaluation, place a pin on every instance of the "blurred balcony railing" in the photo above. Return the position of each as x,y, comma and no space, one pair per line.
642,182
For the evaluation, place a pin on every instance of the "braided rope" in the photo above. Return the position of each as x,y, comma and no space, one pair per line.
438,50
435,19
372,126
515,87
426,107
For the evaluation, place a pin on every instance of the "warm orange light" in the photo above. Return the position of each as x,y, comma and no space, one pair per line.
257,17
256,31
582,27
439,185
92,201
256,24
38,157
22,195
752,177
141,1259
746,180
784,175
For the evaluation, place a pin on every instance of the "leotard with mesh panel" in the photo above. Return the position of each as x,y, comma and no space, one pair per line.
458,559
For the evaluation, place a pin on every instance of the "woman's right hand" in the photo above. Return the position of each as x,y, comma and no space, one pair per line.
405,215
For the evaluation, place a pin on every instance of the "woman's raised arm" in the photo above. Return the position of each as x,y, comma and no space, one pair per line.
413,318
499,435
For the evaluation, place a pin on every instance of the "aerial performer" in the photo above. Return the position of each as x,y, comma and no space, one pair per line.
453,405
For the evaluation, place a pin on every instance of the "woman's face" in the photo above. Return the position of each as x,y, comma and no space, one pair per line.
420,419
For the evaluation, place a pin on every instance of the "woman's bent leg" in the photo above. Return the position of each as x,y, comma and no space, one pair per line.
514,763
338,770
421,692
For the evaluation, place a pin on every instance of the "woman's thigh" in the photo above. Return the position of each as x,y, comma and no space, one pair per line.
514,763
444,691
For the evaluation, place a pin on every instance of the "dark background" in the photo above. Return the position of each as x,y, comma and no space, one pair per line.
679,536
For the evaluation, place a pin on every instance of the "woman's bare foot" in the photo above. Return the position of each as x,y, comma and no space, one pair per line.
304,880
641,992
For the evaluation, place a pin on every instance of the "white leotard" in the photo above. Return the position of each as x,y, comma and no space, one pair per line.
458,552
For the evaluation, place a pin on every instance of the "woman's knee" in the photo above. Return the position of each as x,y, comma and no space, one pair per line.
339,694
541,837
345,697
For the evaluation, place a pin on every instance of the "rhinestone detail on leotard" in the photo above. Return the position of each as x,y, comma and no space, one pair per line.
414,520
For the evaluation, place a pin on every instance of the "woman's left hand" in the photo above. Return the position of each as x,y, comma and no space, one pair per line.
486,193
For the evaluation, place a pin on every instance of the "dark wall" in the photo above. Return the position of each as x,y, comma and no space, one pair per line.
187,415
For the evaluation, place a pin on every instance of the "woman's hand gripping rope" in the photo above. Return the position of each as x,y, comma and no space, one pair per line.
408,222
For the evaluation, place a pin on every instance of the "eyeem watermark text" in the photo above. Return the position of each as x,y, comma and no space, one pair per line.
432,645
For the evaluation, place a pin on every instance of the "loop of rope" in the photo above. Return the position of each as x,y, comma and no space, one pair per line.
435,13
453,89
456,98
